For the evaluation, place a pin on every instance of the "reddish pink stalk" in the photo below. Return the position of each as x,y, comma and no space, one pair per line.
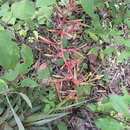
44,40
69,31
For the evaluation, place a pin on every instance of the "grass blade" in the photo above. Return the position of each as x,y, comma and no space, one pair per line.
18,121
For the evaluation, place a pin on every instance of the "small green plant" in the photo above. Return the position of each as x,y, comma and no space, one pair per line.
115,112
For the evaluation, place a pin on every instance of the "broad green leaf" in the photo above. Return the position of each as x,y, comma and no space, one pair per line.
21,68
108,124
93,50
106,107
44,74
9,52
115,32
62,126
92,107
8,19
96,21
4,8
27,55
45,3
124,55
109,50
26,99
1,28
43,14
11,75
5,36
3,85
92,35
88,6
119,104
127,21
28,82
23,9
47,108
99,4
122,41
128,13
17,119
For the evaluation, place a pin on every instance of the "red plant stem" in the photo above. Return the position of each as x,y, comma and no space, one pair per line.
44,40
72,21
61,19
71,49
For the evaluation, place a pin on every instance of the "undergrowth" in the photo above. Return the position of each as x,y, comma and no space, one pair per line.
51,57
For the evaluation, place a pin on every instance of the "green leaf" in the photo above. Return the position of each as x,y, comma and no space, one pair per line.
115,32
44,74
88,6
27,55
93,50
109,50
46,119
92,107
9,52
29,83
60,62
62,126
26,99
106,107
23,10
66,54
41,116
47,108
124,55
3,85
18,121
5,36
43,14
8,19
65,43
92,35
10,75
119,104
96,21
108,124
127,21
4,8
45,3
122,41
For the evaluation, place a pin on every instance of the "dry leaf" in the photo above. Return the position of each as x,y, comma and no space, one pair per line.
42,67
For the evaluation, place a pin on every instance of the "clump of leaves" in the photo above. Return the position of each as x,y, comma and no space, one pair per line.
16,60
115,110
